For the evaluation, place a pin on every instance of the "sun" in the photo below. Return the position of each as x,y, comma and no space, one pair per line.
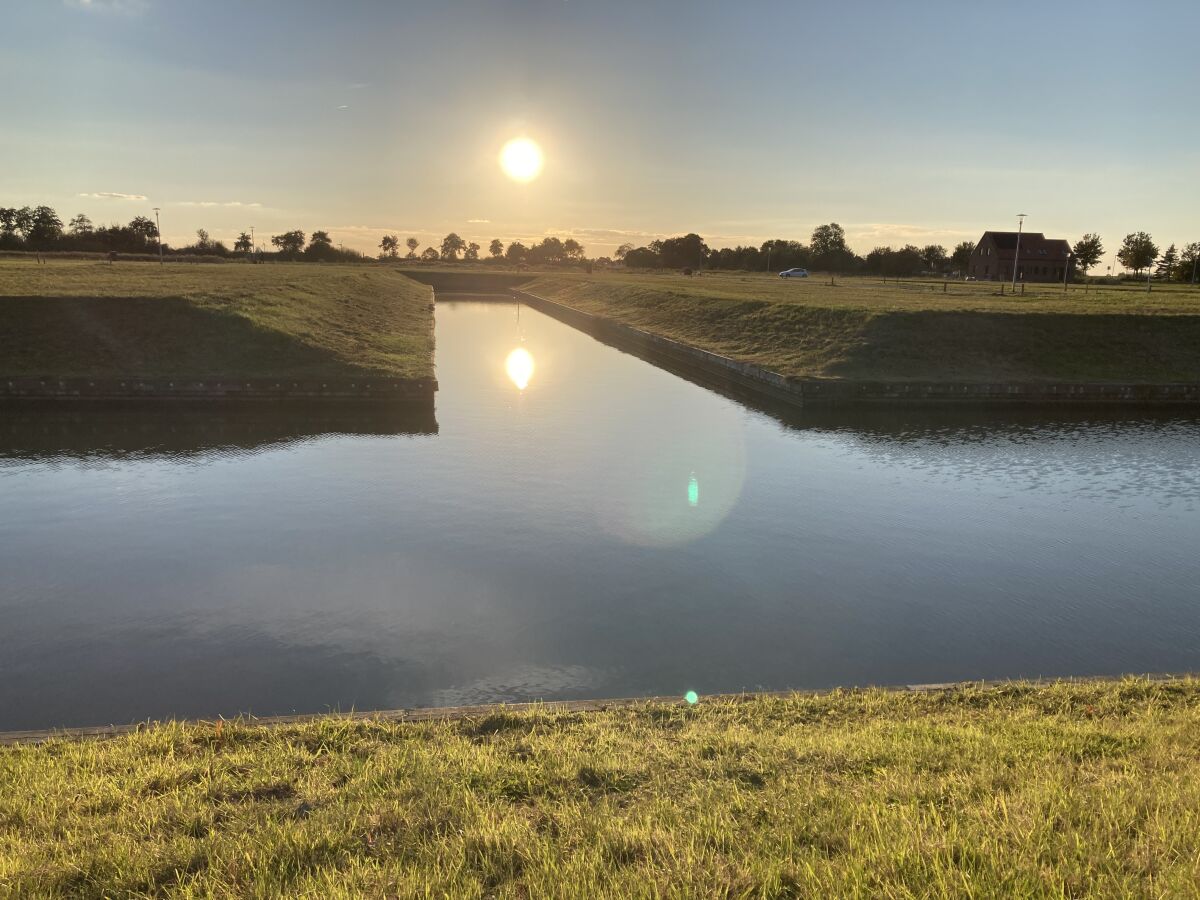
521,159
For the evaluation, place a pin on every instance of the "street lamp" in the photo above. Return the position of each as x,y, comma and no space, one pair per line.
1066,269
158,230
1017,254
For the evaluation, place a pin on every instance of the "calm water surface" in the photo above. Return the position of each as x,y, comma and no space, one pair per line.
610,530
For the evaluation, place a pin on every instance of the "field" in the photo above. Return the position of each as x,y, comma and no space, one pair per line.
865,329
86,318
1061,790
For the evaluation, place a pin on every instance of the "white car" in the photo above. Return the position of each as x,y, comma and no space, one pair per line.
794,273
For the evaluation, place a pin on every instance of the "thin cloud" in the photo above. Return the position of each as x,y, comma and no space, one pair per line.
113,195
123,7
344,106
479,221
224,203
359,85
877,233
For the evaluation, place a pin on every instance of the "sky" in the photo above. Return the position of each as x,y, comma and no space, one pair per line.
919,122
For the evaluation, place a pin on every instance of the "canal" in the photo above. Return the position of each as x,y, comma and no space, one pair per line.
576,523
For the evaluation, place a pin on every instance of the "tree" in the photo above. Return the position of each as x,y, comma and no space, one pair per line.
17,221
144,228
550,250
685,252
81,226
452,245
779,254
516,252
1167,263
412,244
828,246
290,242
1087,252
1137,252
8,228
934,256
389,245
243,244
203,242
320,247
1189,263
430,254
472,251
908,260
572,249
622,250
961,257
44,227
496,248
643,258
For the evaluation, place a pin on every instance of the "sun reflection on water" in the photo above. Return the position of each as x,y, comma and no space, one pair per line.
519,367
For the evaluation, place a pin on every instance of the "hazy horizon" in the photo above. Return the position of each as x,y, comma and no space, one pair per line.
926,125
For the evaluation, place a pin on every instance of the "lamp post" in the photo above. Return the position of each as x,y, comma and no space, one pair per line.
1017,254
1066,269
158,234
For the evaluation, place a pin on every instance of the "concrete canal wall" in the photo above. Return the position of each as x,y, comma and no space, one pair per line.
401,390
730,374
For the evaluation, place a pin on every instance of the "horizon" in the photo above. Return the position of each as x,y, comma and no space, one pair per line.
651,126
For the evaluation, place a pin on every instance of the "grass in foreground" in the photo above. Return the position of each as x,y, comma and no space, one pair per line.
863,329
85,318
1021,790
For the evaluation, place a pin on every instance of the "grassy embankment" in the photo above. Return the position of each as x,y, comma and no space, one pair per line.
73,318
1089,789
863,329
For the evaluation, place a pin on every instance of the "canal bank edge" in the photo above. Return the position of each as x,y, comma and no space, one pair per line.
722,371
403,390
290,331
455,713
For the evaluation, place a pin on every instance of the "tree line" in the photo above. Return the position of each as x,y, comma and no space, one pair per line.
41,229
550,250
827,251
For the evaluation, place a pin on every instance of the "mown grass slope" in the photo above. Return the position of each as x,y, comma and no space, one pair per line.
1089,789
863,329
85,318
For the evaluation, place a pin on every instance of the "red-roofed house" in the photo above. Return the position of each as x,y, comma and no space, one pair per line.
1041,258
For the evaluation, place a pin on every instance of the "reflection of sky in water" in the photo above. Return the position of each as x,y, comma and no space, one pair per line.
1156,459
606,530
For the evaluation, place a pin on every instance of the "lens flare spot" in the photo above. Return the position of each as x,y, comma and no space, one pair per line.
692,698
521,159
519,367
693,491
